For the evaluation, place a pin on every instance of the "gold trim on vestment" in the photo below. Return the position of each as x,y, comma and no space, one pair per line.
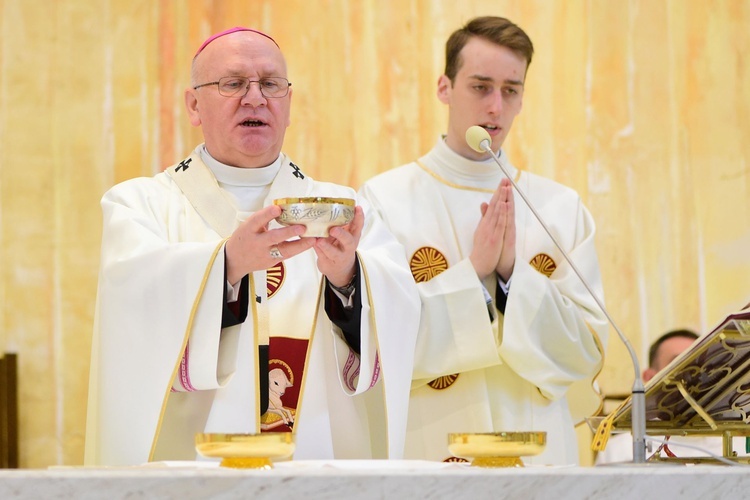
378,361
188,329
256,346
459,186
600,348
306,366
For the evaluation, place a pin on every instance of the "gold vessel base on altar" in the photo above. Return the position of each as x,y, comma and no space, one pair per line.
496,449
246,451
317,214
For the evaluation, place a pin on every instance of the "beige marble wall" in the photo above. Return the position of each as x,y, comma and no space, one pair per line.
642,106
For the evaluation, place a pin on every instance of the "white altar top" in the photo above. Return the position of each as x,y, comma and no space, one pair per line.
354,479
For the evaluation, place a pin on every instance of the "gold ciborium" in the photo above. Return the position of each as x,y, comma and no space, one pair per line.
246,451
496,449
317,214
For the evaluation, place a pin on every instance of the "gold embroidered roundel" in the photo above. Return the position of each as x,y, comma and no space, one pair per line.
426,263
275,278
544,264
443,382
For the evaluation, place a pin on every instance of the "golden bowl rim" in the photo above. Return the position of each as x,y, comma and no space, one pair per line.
315,199
271,446
507,444
220,437
531,437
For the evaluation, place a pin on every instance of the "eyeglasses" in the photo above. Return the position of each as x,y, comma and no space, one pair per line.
239,86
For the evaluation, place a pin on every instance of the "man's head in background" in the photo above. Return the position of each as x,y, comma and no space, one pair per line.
665,349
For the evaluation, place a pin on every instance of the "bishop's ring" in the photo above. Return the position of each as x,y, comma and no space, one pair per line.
274,253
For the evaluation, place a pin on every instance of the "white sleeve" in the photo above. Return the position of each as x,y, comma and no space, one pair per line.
554,333
455,334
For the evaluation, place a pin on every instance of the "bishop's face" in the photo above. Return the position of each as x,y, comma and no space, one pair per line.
248,131
487,91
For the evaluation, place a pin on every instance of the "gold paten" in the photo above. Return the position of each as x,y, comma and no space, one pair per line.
496,449
317,214
246,451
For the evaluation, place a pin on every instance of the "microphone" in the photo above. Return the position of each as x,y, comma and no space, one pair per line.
479,140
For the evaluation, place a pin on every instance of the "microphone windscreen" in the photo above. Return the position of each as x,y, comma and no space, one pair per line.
474,137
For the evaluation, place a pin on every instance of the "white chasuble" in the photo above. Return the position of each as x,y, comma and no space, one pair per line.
513,372
163,369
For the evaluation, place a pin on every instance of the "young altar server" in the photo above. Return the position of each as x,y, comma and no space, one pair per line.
509,337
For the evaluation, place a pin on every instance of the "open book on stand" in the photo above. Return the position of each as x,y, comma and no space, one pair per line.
704,391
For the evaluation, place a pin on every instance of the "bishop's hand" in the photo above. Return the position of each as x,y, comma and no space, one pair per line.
253,246
337,253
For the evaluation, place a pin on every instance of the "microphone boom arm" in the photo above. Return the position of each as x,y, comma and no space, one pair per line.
480,141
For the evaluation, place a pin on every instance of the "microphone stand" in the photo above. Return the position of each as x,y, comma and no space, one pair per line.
480,142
